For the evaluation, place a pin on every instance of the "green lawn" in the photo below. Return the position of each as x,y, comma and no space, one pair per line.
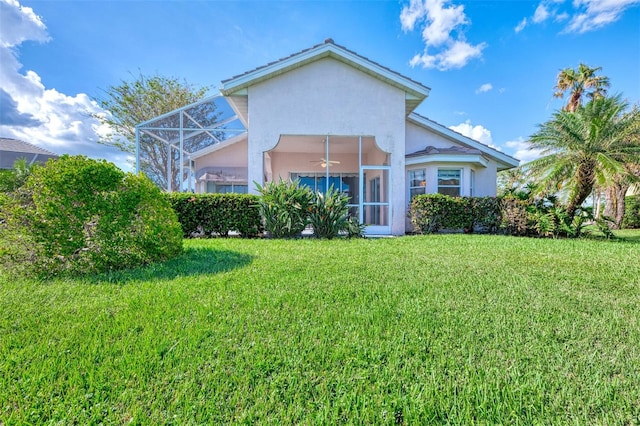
431,329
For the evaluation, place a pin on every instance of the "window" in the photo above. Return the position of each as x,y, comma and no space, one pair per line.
347,183
472,187
449,182
417,182
224,188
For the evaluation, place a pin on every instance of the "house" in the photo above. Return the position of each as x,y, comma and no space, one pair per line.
14,149
330,117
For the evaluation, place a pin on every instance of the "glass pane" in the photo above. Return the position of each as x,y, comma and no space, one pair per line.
452,191
350,188
376,186
335,182
321,182
353,211
376,215
416,191
448,177
417,178
308,181
241,189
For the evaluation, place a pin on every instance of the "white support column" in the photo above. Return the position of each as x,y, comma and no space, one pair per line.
255,164
181,178
328,165
360,182
137,150
169,168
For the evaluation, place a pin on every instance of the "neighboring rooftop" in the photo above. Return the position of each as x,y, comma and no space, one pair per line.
14,149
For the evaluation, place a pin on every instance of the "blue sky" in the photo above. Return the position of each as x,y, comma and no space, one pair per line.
491,65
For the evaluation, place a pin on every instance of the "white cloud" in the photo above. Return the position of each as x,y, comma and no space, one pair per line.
457,55
541,14
484,88
583,15
477,132
19,23
440,20
521,25
522,150
60,123
594,14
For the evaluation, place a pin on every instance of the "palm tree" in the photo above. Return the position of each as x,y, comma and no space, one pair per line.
579,83
586,147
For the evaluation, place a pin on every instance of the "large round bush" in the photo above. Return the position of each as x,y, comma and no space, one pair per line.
78,215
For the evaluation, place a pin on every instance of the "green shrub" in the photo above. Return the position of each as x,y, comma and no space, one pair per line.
284,207
631,218
486,214
329,214
217,214
431,213
514,217
78,215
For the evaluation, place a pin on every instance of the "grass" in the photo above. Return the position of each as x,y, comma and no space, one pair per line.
432,329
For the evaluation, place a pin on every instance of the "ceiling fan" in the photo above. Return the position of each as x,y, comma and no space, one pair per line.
322,162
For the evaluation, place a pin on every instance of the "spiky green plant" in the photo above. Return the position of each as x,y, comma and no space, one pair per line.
329,213
284,207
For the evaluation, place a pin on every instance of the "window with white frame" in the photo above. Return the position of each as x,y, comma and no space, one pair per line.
227,187
417,182
472,183
449,182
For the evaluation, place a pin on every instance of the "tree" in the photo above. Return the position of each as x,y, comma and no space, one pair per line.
615,193
586,147
144,98
579,83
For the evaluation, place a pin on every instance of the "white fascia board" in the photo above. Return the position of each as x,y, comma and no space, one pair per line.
322,51
448,158
217,146
457,137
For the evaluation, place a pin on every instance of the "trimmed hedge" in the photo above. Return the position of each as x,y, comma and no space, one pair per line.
431,213
631,218
210,215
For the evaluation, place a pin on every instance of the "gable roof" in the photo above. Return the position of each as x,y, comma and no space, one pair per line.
505,161
415,92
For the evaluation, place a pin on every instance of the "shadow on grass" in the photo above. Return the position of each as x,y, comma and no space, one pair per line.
194,261
630,239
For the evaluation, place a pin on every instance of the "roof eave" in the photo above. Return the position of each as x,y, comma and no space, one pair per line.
476,159
504,161
417,91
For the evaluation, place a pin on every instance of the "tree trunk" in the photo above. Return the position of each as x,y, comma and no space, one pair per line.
614,199
584,177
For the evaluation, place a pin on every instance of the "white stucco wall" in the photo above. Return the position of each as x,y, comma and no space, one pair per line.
418,138
231,156
329,97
